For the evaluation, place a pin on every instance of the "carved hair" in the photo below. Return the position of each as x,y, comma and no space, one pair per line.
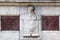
31,6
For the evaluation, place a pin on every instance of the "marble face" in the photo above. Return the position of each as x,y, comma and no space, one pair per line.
30,9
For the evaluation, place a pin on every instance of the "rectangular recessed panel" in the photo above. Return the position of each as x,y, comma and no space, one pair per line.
10,23
50,22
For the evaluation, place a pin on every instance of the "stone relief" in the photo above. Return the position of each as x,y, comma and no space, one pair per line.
30,22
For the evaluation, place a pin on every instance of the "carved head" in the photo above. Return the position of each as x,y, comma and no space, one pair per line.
31,8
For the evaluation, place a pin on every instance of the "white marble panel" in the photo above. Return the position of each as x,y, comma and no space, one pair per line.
9,35
51,35
50,11
9,10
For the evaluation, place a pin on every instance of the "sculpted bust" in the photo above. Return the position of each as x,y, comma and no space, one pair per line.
30,21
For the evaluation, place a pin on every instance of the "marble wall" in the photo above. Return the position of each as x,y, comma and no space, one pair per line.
40,11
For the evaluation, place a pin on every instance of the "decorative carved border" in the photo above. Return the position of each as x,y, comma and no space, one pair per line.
29,3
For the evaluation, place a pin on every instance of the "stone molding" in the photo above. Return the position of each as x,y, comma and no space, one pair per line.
30,3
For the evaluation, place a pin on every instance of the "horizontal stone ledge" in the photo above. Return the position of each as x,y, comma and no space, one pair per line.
30,3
